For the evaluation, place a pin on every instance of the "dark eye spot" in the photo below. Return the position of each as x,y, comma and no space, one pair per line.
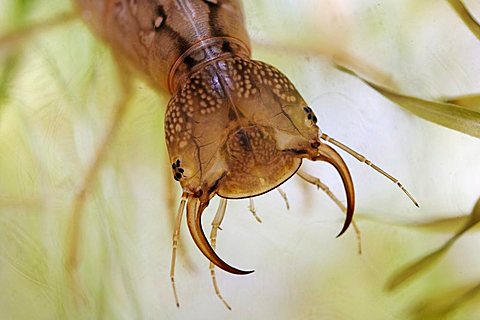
174,166
181,170
178,163
306,109
178,176
314,119
309,116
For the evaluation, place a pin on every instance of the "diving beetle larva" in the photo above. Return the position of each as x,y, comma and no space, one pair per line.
235,127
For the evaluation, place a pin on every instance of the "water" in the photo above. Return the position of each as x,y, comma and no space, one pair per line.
61,99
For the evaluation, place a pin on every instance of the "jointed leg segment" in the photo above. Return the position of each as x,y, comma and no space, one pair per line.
284,196
175,240
217,221
320,185
253,210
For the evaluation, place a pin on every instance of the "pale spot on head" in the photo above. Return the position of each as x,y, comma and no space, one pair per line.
158,22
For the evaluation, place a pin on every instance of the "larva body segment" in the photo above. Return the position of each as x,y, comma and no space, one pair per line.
153,34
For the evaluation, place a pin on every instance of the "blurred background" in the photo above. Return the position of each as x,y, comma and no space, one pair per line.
58,91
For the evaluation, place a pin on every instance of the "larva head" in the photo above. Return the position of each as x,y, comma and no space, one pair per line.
239,128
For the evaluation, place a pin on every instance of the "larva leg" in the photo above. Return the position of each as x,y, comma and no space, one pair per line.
253,210
75,222
320,185
284,196
175,240
362,159
217,221
22,34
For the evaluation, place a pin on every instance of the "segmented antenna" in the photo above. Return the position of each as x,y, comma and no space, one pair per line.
361,158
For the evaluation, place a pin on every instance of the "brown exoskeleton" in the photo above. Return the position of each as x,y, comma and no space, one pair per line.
238,128
235,127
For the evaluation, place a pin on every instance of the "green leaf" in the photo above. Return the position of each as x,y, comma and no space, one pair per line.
471,102
449,115
475,215
446,302
441,225
413,269
22,33
466,17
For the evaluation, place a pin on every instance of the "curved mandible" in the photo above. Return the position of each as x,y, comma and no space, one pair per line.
195,210
327,154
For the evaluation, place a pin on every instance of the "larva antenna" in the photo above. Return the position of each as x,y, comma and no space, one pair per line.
362,159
